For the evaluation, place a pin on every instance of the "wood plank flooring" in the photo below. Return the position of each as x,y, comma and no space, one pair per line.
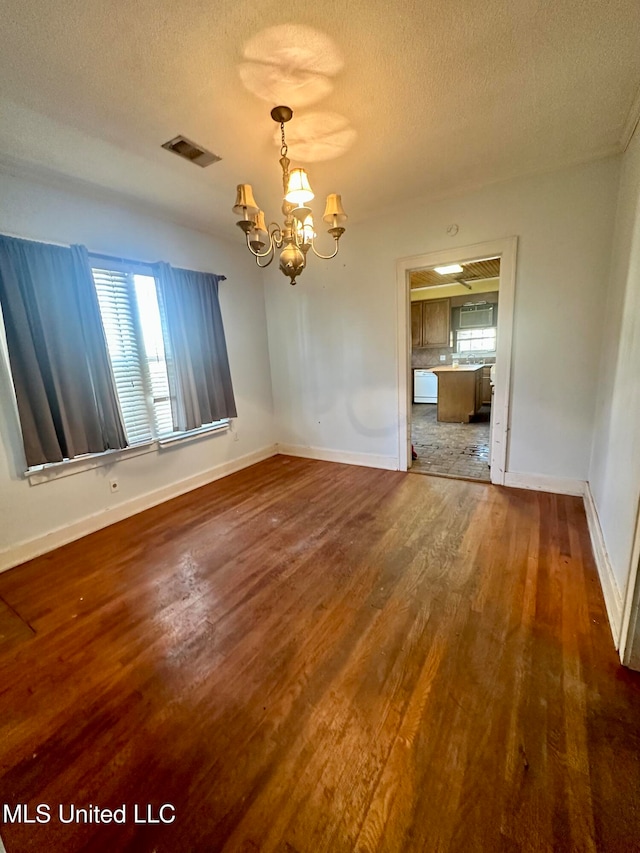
311,657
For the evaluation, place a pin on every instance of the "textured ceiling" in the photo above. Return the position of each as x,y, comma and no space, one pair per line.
472,271
392,101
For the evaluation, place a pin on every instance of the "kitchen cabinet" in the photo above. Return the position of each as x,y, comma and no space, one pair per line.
416,324
430,323
459,392
486,384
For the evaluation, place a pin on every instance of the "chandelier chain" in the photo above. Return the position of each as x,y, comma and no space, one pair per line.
283,146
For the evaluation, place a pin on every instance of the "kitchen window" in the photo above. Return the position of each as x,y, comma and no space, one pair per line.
476,340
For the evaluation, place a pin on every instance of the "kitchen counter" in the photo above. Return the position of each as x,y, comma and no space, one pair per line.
459,369
459,392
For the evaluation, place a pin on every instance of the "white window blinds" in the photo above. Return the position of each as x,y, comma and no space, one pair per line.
133,327
134,340
153,353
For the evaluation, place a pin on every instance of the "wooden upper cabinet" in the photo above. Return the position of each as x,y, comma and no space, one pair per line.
436,315
416,324
430,322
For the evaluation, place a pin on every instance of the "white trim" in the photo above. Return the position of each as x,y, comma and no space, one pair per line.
367,460
631,604
610,590
403,363
631,123
55,470
506,250
54,539
167,441
545,483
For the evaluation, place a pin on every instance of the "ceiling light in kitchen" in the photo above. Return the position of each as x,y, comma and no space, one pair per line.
448,270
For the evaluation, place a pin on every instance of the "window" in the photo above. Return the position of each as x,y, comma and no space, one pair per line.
474,340
133,328
124,391
155,365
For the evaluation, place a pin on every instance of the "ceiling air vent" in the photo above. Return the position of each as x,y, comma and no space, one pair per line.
190,151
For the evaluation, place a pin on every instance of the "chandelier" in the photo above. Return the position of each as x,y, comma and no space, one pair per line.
297,235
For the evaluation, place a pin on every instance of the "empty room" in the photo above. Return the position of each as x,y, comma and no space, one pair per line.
319,419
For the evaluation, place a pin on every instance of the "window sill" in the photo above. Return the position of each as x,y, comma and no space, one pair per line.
171,440
55,470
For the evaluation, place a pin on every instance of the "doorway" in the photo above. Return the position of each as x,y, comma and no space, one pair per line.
466,319
453,365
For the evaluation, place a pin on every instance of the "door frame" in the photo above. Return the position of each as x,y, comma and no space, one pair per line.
506,249
629,654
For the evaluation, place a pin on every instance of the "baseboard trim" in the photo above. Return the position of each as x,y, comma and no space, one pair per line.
544,483
63,535
367,460
610,590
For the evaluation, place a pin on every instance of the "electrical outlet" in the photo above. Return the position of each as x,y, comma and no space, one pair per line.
443,358
114,485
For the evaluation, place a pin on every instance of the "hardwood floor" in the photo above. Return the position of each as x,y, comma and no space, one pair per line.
315,657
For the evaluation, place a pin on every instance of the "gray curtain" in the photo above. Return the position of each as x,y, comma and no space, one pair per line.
196,350
60,365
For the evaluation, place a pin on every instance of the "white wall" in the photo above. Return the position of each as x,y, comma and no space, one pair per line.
332,337
39,212
615,459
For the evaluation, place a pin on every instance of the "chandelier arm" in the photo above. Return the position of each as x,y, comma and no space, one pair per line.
275,241
325,257
264,266
276,234
264,254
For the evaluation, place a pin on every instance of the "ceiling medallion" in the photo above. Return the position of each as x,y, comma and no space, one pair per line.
297,235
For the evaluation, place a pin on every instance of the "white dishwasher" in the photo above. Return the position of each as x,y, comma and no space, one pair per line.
425,386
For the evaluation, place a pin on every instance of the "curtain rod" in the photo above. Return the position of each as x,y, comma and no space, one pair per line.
143,263
101,256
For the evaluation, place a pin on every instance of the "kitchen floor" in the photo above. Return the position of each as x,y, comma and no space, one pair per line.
451,450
